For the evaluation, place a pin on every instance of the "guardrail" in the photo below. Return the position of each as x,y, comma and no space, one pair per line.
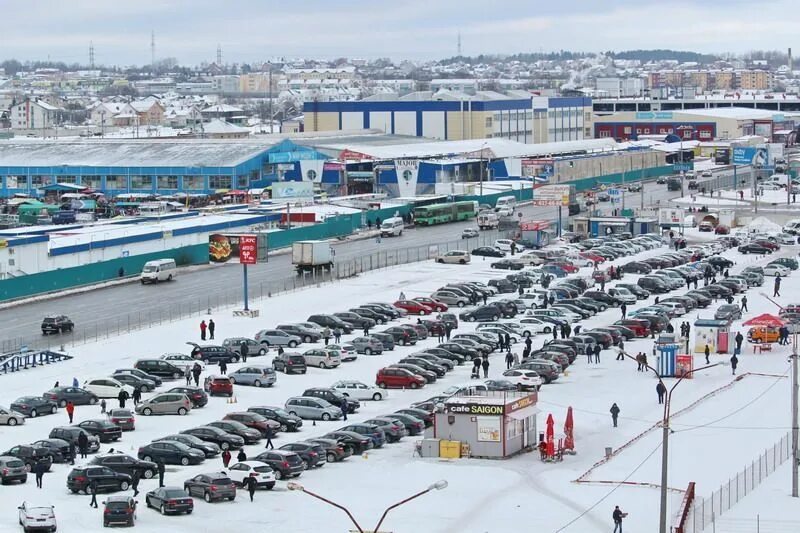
22,360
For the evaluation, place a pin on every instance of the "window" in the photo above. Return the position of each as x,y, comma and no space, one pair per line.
167,182
219,182
67,179
604,134
488,122
116,182
141,182
37,181
704,134
626,130
241,182
195,183
92,182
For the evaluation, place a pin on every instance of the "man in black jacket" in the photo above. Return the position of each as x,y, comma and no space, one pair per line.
617,515
135,482
160,464
243,350
93,492
38,469
83,444
122,397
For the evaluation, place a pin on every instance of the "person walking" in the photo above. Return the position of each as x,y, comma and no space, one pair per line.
326,334
122,397
70,411
624,309
620,352
501,342
744,304
597,350
211,328
617,516
639,361
734,363
75,383
603,284
161,469
223,367
135,477
589,354
485,298
188,375
366,329
337,335
269,435
71,452
196,371
226,458
203,328
344,407
476,367
93,492
507,341
739,339
83,444
707,351
509,360
103,406
241,456
251,486
485,365
555,333
777,291
244,350
661,390
38,469
528,344
614,413
137,396
448,329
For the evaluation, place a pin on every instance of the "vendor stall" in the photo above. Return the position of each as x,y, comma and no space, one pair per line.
715,334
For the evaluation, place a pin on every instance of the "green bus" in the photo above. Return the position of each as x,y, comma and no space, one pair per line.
442,213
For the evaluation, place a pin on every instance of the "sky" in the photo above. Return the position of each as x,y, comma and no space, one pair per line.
258,30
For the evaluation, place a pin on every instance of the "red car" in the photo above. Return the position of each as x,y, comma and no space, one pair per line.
768,244
436,305
398,378
593,257
641,328
414,307
566,266
601,275
722,229
215,385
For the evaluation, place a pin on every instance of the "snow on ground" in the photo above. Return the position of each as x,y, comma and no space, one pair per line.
483,495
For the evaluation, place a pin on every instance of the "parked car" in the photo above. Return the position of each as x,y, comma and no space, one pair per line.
119,510
359,391
508,264
232,427
258,470
754,248
171,452
34,406
30,454
322,358
312,455
165,403
728,312
285,464
57,324
255,375
106,387
211,487
367,345
469,233
11,418
212,354
125,464
209,449
398,378
107,480
102,429
234,344
277,337
196,395
287,421
372,431
414,307
12,469
216,385
71,433
219,437
488,312
58,449
255,421
135,382
333,396
289,363
335,450
33,517
312,408
159,368
459,257
169,500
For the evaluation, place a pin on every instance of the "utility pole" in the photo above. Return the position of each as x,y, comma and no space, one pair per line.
219,55
91,55
153,51
795,423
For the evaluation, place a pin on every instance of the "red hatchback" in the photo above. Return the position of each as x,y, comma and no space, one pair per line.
398,378
215,385
641,328
414,307
436,305
566,266
768,244
593,257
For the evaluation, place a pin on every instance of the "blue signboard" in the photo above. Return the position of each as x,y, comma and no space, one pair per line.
292,157
750,155
654,115
683,167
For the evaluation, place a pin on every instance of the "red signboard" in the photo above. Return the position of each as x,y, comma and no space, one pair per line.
248,249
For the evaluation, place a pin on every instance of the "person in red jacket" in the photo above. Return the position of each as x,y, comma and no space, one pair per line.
203,327
70,411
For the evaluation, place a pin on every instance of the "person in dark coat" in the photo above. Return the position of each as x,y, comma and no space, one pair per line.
122,397
476,367
337,335
734,363
501,342
39,468
624,309
241,456
243,349
344,409
661,390
744,304
71,452
196,371
211,328
485,298
528,343
777,291
137,396
251,486
520,290
93,492
203,328
83,444
226,458
555,333
485,365
739,339
135,477
614,413
223,367
617,516
509,360
589,354
269,435
597,351
707,351
602,284
161,469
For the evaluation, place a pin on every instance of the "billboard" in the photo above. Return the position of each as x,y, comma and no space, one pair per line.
670,216
245,249
551,195
538,167
750,155
292,191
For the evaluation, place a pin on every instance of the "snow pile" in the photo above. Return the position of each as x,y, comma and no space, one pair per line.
763,224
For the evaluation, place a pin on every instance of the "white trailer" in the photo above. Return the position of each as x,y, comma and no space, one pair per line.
312,256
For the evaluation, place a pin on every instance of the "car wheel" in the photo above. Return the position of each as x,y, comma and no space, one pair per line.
62,403
495,318
462,262
278,475
182,411
331,457
225,446
34,413
440,261
292,413
547,330
367,351
284,428
147,411
149,474
53,410
306,466
262,351
207,497
326,416
377,396
185,461
123,485
163,509
232,380
257,383
12,421
292,344
176,375
414,385
149,459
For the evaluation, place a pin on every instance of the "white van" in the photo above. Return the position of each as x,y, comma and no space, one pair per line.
488,221
506,204
159,270
792,227
392,227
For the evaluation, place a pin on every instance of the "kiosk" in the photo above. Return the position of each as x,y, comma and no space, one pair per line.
715,333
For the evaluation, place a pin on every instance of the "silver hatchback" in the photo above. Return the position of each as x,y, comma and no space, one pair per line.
256,375
312,408
166,403
367,345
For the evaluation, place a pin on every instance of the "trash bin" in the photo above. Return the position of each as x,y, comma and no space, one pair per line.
609,451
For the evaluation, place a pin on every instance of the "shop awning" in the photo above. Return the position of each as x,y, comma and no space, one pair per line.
524,413
614,223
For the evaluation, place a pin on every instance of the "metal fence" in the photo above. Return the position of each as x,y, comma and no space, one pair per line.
228,297
705,513
755,525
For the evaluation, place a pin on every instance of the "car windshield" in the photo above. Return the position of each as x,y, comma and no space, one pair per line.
150,268
263,469
221,481
280,412
175,493
117,505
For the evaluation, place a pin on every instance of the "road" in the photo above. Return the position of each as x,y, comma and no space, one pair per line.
122,306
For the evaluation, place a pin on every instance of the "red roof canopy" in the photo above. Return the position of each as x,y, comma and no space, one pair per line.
765,320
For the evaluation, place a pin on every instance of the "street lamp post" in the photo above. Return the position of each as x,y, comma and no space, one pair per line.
662,523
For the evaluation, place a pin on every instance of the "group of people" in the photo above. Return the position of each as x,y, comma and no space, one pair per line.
685,329
477,364
209,327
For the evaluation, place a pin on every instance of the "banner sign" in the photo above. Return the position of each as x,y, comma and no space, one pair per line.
248,249
538,167
750,155
245,249
292,191
551,195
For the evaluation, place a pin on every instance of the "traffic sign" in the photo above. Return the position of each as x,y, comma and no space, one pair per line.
683,167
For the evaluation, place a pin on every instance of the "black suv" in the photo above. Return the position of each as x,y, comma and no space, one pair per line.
221,438
289,363
102,429
30,454
356,320
287,421
503,285
483,313
331,322
119,510
333,396
286,464
57,324
107,480
402,336
159,368
653,285
214,354
70,434
125,464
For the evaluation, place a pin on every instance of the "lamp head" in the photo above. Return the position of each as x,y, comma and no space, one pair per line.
439,485
294,486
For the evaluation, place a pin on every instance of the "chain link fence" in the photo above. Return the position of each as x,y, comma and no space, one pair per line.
230,297
705,513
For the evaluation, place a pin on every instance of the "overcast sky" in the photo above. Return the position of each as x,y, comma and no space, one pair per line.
255,30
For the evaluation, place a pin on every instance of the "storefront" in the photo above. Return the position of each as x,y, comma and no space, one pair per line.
492,425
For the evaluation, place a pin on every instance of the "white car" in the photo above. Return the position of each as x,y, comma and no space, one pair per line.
776,270
531,326
106,387
566,314
360,391
505,245
454,257
676,308
524,379
579,261
786,238
265,476
182,360
37,517
11,418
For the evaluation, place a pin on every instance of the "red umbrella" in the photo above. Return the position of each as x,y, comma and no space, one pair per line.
569,441
550,436
765,320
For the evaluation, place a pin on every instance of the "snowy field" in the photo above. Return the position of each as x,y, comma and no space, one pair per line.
711,442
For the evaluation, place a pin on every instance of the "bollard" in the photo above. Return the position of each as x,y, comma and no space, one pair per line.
609,452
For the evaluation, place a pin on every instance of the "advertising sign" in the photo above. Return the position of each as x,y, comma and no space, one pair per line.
670,215
683,365
488,428
291,157
248,249
551,195
474,409
292,191
236,248
538,167
750,155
